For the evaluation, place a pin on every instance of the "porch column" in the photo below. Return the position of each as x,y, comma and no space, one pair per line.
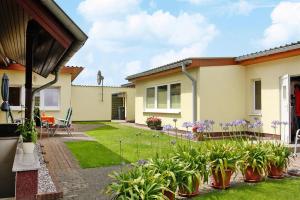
31,34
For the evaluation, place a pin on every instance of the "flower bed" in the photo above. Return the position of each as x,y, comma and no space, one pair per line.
190,166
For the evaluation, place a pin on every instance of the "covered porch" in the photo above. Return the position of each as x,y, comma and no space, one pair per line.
41,37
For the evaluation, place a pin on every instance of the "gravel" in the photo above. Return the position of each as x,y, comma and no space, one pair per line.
45,184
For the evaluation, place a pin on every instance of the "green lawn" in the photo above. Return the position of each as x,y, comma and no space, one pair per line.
288,189
118,144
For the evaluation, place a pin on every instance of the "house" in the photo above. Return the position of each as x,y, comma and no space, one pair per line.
86,101
222,89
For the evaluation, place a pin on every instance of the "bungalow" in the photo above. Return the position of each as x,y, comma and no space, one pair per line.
86,101
222,89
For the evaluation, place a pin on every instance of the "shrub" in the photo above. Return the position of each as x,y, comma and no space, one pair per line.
153,122
28,132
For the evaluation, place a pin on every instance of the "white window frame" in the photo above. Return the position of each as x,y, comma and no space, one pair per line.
254,110
42,102
162,110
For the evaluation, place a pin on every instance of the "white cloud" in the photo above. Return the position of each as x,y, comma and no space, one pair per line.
125,39
285,25
196,2
95,9
132,67
160,27
242,7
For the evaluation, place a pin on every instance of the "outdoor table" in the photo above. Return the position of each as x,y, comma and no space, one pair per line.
48,119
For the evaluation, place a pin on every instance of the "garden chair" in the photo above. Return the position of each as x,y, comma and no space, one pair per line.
297,137
65,123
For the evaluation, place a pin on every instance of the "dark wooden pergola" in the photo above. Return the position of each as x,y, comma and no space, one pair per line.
38,35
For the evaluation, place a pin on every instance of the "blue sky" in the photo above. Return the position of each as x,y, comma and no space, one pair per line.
130,36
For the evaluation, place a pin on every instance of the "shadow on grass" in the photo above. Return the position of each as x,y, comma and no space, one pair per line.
91,154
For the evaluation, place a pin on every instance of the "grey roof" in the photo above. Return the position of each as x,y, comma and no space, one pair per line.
280,49
287,47
159,69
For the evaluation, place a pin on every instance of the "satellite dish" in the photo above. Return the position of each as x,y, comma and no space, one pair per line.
100,78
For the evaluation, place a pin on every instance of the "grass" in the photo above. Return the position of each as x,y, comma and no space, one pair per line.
275,190
135,144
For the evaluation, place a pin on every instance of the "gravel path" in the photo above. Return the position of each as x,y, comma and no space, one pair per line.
45,184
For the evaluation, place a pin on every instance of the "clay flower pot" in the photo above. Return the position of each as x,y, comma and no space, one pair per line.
275,172
169,195
183,192
217,180
252,175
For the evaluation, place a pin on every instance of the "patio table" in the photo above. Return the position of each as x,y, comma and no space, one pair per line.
48,119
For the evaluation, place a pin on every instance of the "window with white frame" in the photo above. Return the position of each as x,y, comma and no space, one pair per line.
257,96
48,99
163,97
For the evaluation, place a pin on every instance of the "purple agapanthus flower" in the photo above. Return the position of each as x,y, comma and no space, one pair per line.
201,129
167,127
190,135
142,162
187,124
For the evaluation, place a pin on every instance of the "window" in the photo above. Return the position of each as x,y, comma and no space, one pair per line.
163,98
257,95
47,99
150,99
175,95
51,97
14,96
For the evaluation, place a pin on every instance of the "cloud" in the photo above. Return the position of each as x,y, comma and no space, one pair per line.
242,7
95,9
132,67
285,25
125,39
159,27
196,2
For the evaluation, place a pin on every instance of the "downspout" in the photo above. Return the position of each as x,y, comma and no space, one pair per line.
46,85
194,89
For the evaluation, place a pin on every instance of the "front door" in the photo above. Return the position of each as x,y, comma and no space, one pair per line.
285,108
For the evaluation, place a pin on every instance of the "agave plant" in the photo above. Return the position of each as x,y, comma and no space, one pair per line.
279,156
167,168
196,158
254,156
223,158
137,184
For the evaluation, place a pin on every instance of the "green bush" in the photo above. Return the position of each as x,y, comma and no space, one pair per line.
28,132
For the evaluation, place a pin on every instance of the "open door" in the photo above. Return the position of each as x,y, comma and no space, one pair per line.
285,108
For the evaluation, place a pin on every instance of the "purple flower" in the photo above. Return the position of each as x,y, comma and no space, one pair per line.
167,127
285,123
190,135
201,129
142,162
187,124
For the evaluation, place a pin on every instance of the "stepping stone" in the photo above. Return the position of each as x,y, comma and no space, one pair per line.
294,172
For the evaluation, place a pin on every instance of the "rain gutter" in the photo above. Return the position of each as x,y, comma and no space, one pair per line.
194,88
47,84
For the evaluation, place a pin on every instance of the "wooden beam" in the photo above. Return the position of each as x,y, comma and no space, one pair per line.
31,33
39,13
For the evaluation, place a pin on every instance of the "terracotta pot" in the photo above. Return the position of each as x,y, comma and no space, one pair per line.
252,175
275,172
169,195
217,180
183,192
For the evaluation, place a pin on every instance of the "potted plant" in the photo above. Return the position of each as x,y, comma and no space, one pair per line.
196,162
168,169
154,123
223,159
29,136
278,160
137,183
254,161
